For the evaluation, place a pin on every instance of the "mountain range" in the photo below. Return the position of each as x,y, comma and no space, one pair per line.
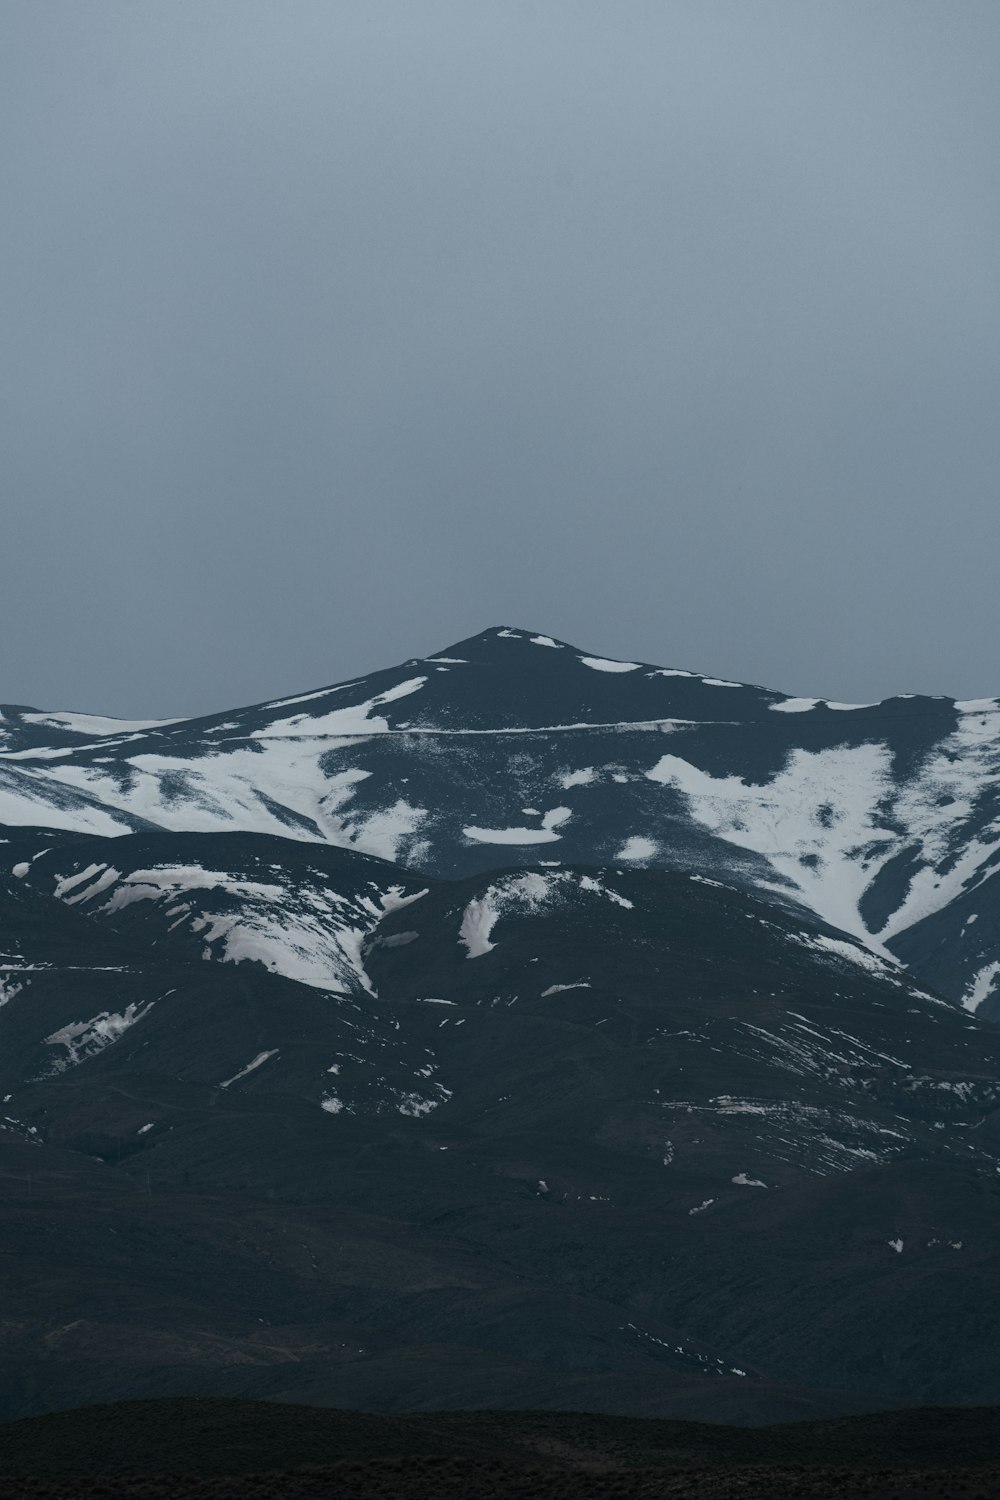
511,1027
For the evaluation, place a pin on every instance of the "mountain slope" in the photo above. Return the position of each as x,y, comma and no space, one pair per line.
616,1139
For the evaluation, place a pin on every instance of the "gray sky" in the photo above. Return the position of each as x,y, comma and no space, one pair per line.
334,332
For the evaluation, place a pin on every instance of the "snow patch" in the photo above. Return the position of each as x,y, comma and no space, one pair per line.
604,664
802,705
309,697
8,990
636,849
82,1039
96,725
478,921
350,721
816,821
42,754
980,987
588,883
381,833
583,777
43,798
510,835
854,954
973,705
793,706
516,893
66,883
310,934
261,1058
105,878
146,885
416,1105
395,898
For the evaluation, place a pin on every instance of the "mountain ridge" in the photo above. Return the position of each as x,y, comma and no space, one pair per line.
876,817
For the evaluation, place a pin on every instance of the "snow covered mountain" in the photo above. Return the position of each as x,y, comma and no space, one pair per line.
881,819
511,1027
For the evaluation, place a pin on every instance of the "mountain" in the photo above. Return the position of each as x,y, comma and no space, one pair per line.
322,1082
881,819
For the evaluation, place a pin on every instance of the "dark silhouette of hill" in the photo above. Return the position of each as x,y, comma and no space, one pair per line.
229,1448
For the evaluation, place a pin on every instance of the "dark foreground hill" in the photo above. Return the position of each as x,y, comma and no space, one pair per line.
234,1448
595,1139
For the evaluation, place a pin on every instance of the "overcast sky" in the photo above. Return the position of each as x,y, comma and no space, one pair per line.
335,332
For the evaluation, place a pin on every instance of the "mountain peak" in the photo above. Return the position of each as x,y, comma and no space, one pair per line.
505,635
